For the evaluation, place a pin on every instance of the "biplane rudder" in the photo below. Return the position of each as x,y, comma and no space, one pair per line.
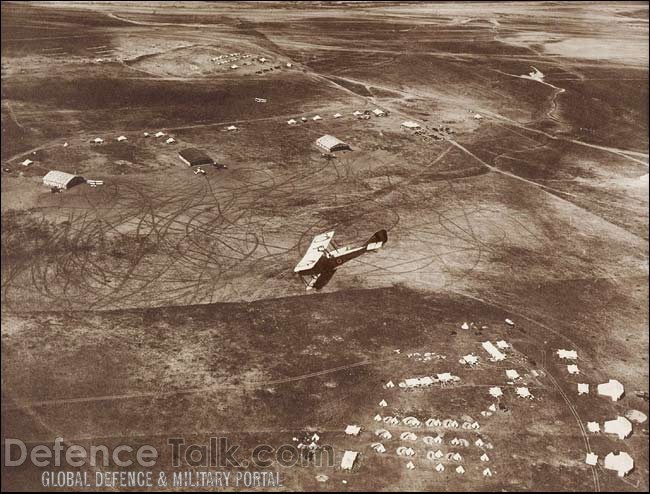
378,240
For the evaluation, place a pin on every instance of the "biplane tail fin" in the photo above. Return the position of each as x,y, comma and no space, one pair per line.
377,241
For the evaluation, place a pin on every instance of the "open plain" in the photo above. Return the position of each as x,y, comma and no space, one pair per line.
163,303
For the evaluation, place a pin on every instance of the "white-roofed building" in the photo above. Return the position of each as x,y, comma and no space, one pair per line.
612,388
330,143
62,180
493,351
620,426
409,124
349,457
622,463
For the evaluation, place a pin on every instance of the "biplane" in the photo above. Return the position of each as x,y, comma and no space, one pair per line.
323,257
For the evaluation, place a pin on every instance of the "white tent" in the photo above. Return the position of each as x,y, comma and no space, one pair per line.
415,382
146,134
573,369
378,418
428,440
433,423
357,113
159,134
337,115
378,112
440,467
390,384
98,140
593,426
583,388
612,388
524,392
622,463
352,430
412,422
464,325
292,122
456,457
479,442
591,459
383,403
496,355
485,457
438,439
171,140
378,447
383,433
487,473
410,465
408,436
447,377
460,469
477,116
495,391
121,138
620,426
317,118
231,127
503,345
349,457
510,322
567,354
27,162
512,374
470,360
493,407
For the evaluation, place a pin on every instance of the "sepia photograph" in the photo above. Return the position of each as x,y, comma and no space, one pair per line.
276,246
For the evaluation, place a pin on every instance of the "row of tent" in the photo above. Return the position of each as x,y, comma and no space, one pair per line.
431,422
377,112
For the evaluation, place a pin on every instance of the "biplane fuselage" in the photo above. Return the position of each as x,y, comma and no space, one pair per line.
321,260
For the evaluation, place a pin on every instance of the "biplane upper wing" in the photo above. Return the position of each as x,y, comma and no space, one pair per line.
314,252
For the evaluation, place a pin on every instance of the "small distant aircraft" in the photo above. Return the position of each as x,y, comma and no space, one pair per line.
320,262
199,171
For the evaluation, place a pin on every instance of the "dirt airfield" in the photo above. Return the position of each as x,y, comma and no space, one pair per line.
163,304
